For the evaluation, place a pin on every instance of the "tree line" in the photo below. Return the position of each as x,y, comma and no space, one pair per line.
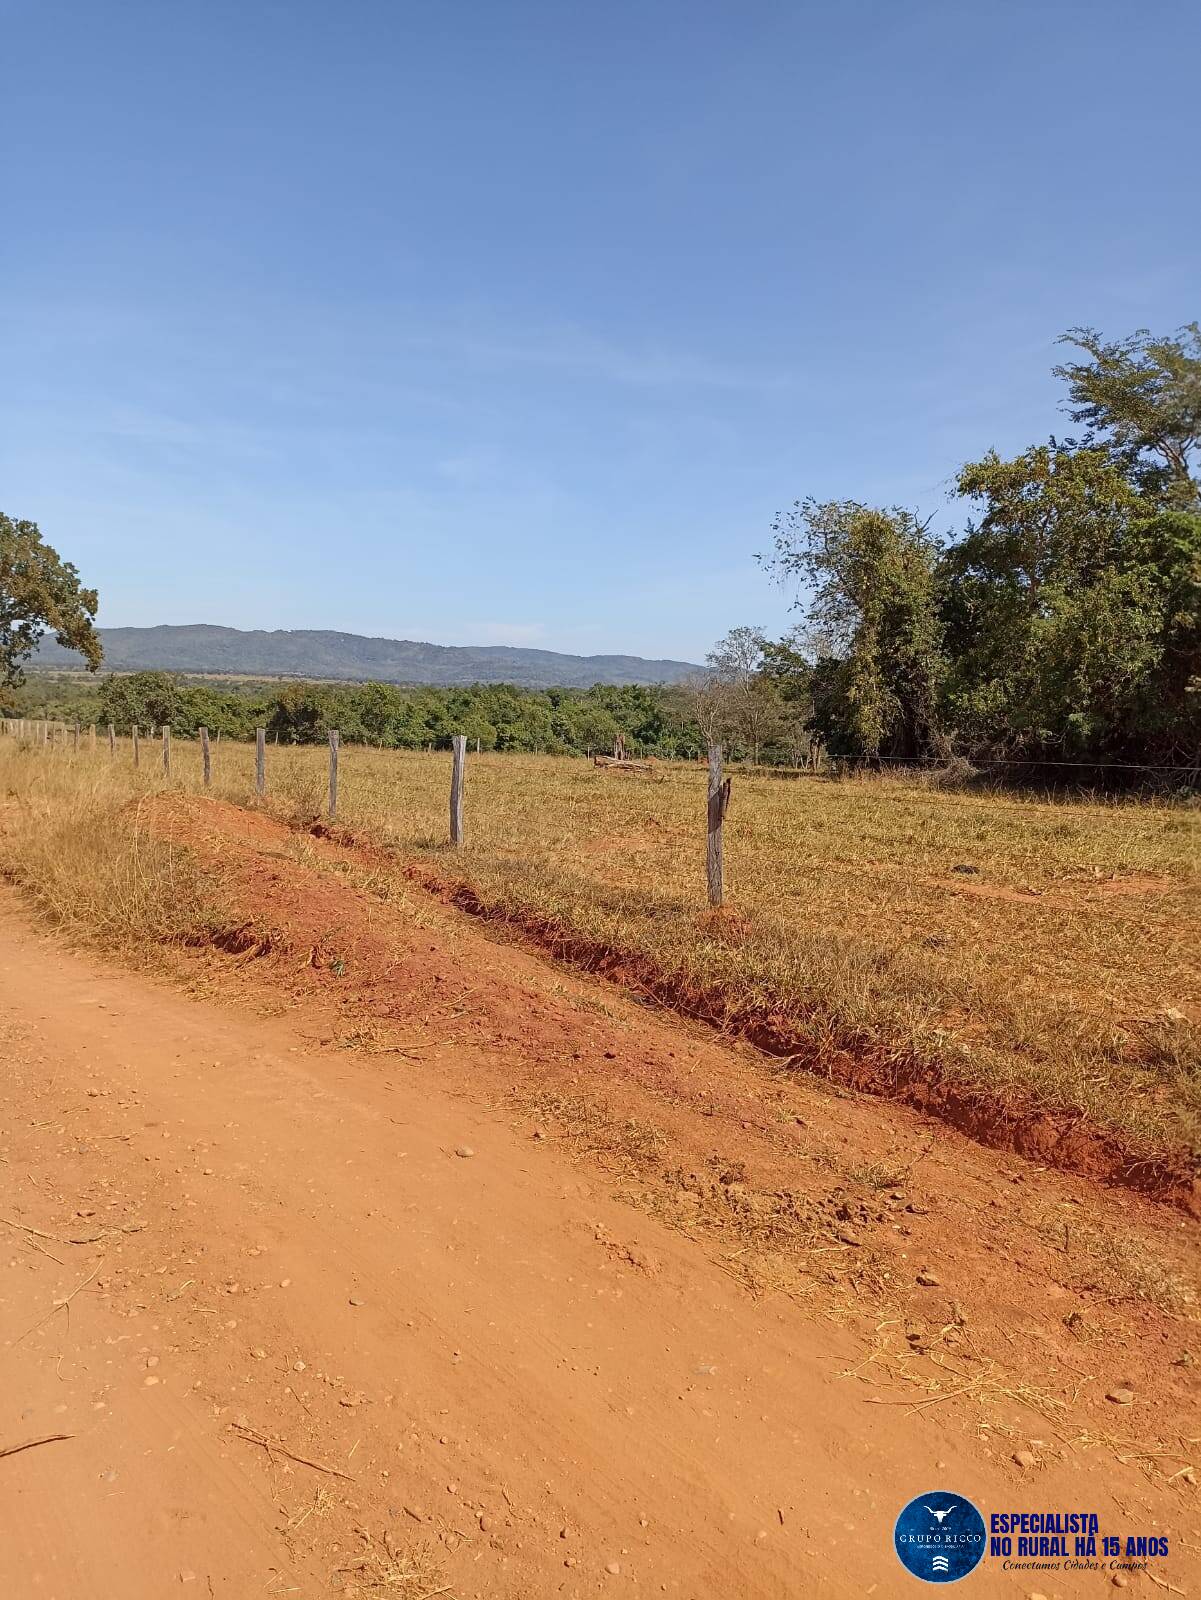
1063,623
647,720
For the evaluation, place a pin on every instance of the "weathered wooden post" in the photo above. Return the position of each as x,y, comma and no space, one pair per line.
112,739
333,773
167,749
260,760
719,802
91,738
459,745
136,753
206,760
75,738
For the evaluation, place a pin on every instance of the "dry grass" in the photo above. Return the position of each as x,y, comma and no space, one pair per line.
1063,969
401,1567
72,834
1113,1265
770,1240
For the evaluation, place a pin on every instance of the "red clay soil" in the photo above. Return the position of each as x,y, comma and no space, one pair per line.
1040,1133
396,1237
392,971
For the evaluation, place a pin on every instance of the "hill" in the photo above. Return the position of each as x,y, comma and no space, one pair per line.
318,653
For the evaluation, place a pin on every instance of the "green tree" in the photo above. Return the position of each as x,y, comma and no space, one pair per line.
789,669
581,724
1142,397
1165,714
299,714
382,710
1033,596
872,624
144,699
744,697
39,594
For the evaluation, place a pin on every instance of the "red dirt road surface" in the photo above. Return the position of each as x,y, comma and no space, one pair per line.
393,1259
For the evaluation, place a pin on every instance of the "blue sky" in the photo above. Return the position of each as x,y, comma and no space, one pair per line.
515,323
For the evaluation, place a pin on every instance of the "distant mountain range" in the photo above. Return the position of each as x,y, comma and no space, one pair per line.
316,653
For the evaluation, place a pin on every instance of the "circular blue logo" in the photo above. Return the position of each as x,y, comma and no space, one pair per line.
939,1537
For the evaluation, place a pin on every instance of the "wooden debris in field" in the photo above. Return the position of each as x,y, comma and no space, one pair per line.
623,763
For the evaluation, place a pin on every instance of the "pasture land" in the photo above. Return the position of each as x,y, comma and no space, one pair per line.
1040,957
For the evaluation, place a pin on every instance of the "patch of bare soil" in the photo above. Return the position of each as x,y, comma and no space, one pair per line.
1133,886
1136,884
991,891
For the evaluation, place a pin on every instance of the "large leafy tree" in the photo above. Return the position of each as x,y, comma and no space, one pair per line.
1142,397
1166,712
867,578
141,699
1070,608
40,593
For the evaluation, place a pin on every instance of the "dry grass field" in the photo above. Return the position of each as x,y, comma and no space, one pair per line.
1045,956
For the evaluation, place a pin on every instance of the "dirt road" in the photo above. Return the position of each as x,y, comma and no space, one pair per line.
316,1319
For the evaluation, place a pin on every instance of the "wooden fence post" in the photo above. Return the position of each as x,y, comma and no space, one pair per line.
112,740
206,759
136,753
167,749
75,738
260,760
92,739
333,773
719,801
459,745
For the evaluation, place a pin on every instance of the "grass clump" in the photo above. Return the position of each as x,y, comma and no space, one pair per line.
75,840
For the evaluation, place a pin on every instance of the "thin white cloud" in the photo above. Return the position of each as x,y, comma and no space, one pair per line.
573,351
